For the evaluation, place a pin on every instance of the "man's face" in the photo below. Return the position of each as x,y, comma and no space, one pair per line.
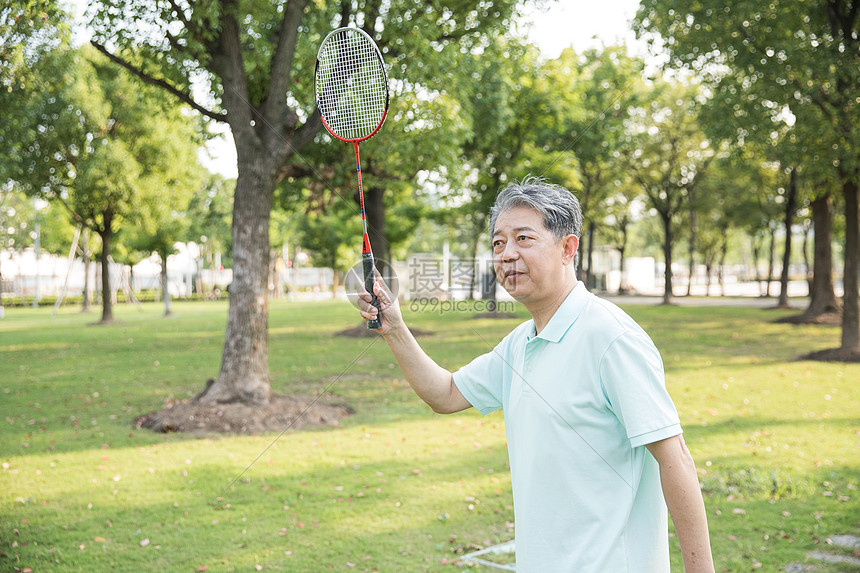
528,260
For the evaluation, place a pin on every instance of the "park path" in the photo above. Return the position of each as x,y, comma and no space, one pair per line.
799,303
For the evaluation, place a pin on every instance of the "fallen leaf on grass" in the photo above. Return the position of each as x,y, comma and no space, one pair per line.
99,539
145,542
202,568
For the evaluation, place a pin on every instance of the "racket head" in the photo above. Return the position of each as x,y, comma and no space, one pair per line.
351,85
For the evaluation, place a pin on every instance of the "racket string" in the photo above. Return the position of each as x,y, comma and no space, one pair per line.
351,85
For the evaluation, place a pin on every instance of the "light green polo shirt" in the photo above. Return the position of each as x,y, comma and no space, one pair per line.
580,401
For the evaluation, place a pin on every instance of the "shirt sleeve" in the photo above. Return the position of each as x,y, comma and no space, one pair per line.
631,372
481,381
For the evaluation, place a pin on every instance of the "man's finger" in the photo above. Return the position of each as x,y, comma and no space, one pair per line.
381,292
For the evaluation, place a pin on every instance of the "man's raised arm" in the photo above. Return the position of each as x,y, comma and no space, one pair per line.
433,384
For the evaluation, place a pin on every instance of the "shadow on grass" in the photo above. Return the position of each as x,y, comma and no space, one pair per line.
387,514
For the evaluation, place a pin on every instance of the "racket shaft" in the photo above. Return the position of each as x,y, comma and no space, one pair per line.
369,276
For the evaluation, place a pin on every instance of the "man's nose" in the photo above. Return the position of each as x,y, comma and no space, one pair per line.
510,252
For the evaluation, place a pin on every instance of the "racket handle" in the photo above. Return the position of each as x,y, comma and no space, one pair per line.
369,275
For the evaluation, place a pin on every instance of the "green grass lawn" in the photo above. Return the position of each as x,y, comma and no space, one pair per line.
393,487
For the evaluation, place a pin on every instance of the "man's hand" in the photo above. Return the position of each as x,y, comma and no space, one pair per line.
392,319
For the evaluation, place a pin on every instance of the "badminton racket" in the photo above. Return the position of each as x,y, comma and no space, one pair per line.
352,96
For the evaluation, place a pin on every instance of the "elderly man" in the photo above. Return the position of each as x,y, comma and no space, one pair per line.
594,439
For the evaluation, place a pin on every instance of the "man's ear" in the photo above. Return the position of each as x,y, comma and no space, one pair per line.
570,244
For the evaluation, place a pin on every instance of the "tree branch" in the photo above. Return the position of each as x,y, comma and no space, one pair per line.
174,43
231,69
192,27
306,132
282,62
160,83
371,14
180,15
74,214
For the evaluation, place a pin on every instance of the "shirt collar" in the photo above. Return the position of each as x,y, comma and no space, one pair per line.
566,314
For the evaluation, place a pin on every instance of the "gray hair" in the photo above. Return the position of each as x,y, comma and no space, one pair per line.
560,209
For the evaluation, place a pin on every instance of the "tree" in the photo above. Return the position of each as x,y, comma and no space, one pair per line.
102,143
724,201
595,90
257,59
508,99
68,119
621,207
822,294
172,174
798,58
670,157
105,190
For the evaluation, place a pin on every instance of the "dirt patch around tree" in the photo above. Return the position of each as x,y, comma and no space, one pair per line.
827,319
281,413
832,355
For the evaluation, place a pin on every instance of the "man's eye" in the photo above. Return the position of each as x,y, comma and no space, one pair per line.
522,238
497,243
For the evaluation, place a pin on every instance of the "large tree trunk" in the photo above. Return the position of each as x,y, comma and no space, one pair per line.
106,234
667,256
850,310
823,298
244,374
265,137
790,208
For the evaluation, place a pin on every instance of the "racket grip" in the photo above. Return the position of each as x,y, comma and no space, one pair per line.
369,276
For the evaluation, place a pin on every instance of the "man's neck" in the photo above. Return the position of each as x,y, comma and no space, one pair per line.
543,313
